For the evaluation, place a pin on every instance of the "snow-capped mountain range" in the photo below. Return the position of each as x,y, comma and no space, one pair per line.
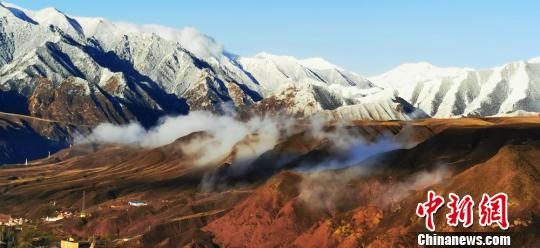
510,89
88,70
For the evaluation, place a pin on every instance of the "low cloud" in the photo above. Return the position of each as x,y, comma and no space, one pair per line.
239,143
348,146
226,135
353,154
415,182
328,189
193,40
341,190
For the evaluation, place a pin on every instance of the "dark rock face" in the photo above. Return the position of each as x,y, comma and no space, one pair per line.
70,103
13,102
31,138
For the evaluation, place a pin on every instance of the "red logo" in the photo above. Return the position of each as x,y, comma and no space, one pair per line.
460,210
491,210
429,208
494,210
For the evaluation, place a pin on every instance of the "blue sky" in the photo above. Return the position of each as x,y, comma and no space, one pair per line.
368,37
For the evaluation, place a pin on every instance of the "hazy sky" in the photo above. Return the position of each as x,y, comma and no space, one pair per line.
368,37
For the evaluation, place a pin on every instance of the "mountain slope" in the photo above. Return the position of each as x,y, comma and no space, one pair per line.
361,207
311,99
86,71
129,72
149,71
510,89
272,71
28,138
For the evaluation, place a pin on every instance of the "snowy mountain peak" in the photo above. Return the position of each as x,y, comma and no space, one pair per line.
11,10
51,11
508,89
273,71
312,63
534,60
47,16
408,73
416,66
426,69
154,68
319,63
269,56
200,44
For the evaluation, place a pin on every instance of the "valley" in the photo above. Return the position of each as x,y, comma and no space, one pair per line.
371,202
140,135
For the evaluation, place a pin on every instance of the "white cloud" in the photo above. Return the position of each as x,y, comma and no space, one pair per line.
240,142
193,40
226,135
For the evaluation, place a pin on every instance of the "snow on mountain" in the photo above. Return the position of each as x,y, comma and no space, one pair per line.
409,73
311,99
304,87
50,44
382,106
109,32
319,64
54,17
149,70
534,60
273,71
302,100
510,89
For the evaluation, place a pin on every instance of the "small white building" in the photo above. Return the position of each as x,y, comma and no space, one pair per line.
137,203
60,216
15,222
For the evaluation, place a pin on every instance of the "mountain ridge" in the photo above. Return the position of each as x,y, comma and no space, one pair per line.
505,90
195,68
155,69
